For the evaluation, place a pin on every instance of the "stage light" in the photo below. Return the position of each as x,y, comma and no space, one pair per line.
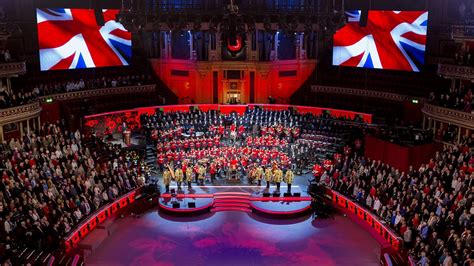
414,101
49,100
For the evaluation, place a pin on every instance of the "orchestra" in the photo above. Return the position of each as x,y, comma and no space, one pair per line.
261,145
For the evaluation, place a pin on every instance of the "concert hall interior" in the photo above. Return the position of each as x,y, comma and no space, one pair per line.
236,132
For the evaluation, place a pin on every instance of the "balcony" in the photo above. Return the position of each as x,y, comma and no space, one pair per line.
20,113
98,92
12,69
451,116
462,32
455,71
364,93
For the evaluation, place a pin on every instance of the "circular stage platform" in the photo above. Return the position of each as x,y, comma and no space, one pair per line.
267,202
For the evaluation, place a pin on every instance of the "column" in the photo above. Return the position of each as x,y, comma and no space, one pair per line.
275,52
459,134
39,123
298,46
192,54
218,46
424,122
1,133
21,128
9,85
28,127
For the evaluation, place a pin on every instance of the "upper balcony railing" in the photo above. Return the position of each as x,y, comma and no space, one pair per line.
19,113
456,71
364,93
12,69
450,116
99,92
26,111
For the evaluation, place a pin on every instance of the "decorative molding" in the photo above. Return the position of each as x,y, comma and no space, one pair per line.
451,116
99,92
12,69
455,71
364,93
20,113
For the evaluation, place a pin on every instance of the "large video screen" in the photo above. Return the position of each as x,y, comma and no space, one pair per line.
390,40
73,38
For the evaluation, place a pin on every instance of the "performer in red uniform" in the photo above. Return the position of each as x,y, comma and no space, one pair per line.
213,172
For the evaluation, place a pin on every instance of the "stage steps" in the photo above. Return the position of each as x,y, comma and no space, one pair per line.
231,201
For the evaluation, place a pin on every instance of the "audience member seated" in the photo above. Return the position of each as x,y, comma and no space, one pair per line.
50,182
459,99
5,56
429,207
464,58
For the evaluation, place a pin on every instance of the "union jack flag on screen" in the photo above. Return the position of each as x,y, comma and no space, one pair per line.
391,40
71,39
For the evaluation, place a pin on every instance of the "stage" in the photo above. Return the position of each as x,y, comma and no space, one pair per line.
225,195
264,201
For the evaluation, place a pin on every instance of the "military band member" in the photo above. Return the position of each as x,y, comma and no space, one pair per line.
201,174
189,175
268,176
213,172
167,179
277,176
289,179
178,175
258,175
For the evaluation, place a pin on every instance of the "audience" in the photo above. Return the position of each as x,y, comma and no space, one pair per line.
460,99
50,181
24,96
429,207
464,58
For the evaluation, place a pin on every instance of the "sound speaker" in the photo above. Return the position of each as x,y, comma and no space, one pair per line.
297,194
266,194
276,194
191,204
364,16
176,205
286,194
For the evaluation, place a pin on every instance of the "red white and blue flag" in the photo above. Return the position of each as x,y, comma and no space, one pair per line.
71,39
390,40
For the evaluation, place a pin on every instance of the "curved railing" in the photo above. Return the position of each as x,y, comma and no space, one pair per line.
364,93
31,110
14,68
366,217
81,230
456,71
447,115
98,92
20,113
